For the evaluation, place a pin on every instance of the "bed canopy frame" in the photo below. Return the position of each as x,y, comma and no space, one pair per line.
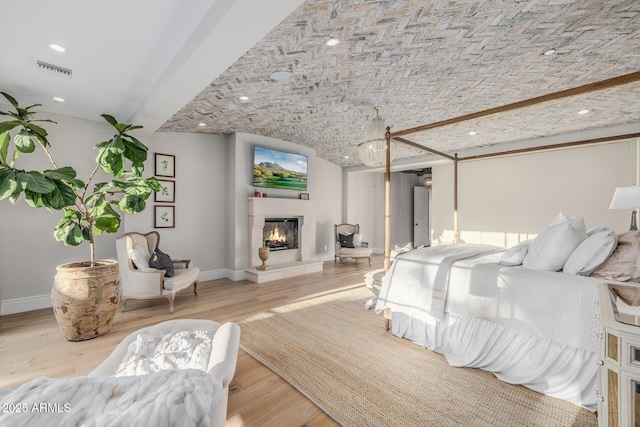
399,137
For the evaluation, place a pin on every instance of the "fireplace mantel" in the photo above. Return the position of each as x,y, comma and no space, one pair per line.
261,208
271,207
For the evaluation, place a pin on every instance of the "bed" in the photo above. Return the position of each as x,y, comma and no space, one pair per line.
531,327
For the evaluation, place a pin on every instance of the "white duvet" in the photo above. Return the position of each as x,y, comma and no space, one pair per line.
529,327
166,398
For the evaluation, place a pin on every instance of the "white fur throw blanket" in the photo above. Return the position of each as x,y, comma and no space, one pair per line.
180,350
166,398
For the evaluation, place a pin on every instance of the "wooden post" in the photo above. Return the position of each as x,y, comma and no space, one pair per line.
387,215
456,235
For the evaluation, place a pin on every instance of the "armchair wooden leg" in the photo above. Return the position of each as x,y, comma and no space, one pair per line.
195,287
171,297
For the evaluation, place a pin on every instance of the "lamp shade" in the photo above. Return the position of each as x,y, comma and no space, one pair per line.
373,151
625,198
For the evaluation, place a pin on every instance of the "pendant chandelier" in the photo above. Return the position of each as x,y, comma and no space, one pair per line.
373,151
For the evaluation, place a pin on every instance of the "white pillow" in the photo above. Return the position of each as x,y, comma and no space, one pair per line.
398,250
551,249
598,229
140,256
357,240
591,253
515,255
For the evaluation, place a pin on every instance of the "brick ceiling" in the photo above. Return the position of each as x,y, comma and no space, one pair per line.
423,62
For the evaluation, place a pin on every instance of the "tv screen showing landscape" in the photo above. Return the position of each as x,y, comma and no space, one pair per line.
279,169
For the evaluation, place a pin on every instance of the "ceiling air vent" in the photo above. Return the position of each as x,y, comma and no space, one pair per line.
53,69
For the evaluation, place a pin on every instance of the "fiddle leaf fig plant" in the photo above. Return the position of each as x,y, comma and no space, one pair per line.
88,211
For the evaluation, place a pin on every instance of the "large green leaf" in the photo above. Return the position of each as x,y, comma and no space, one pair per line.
131,203
111,162
7,126
40,132
112,121
37,183
8,183
11,99
66,173
107,219
5,139
33,199
23,142
62,196
69,233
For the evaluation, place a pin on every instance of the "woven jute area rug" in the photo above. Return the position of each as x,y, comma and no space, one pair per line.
338,354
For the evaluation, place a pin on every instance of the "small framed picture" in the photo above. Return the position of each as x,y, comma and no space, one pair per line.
164,216
165,165
304,196
168,192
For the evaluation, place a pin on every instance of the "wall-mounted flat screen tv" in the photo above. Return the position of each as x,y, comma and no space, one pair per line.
279,169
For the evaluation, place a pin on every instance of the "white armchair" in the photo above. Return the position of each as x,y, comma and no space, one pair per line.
349,243
139,281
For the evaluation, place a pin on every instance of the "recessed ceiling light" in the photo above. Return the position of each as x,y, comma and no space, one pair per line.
583,111
332,41
472,133
57,99
280,75
244,98
202,124
346,157
549,52
57,47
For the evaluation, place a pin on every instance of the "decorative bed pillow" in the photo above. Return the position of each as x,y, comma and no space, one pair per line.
346,240
515,255
162,261
139,256
398,250
597,229
591,253
551,249
622,265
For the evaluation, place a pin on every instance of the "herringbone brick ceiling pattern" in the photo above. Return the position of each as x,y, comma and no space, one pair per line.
423,62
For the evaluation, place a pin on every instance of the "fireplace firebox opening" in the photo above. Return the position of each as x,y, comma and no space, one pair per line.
280,233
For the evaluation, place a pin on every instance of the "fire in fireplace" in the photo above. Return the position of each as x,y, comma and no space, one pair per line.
280,233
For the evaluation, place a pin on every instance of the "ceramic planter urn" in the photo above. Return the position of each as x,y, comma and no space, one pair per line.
85,298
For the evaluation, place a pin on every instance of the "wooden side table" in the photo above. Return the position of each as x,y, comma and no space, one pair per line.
619,370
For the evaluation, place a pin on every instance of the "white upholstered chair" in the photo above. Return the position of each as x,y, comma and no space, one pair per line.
143,282
349,243
222,360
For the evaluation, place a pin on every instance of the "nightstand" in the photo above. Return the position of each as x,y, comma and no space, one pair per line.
619,370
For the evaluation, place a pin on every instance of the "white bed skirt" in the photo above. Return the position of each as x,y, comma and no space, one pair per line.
513,356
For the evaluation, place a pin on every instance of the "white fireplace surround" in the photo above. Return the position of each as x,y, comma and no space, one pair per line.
261,208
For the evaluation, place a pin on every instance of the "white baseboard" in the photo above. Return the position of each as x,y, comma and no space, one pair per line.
20,305
37,302
222,273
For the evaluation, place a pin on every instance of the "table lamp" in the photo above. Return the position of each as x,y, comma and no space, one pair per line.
627,198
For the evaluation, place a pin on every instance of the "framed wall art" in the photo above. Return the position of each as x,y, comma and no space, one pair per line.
168,192
164,216
165,165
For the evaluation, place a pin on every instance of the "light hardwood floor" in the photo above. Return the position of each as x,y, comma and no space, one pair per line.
31,344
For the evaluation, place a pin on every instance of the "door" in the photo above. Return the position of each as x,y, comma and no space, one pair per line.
421,217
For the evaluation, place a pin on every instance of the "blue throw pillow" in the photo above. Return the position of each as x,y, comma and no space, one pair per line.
162,261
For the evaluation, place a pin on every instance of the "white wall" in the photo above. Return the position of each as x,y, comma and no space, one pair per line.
365,206
201,183
504,200
324,188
